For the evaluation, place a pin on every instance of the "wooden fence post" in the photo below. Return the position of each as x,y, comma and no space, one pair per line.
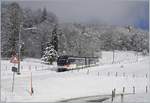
146,76
6,67
112,96
35,67
133,89
123,89
133,75
108,73
116,74
29,67
42,67
21,67
87,71
123,74
114,92
146,89
122,96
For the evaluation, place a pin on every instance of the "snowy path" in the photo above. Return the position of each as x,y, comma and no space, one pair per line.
135,98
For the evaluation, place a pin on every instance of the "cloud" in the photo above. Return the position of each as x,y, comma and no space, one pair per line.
116,12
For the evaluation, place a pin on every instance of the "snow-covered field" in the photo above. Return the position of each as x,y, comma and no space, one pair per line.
120,57
50,86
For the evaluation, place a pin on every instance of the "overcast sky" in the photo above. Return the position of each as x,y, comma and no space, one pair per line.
113,12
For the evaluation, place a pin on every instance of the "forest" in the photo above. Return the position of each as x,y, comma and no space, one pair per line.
74,38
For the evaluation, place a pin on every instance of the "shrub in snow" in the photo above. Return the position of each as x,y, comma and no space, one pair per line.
145,52
50,55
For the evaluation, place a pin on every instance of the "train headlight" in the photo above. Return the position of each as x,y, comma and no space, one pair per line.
66,65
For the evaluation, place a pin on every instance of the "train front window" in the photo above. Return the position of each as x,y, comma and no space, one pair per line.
61,61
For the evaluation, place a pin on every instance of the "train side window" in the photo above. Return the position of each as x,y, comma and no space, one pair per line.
71,60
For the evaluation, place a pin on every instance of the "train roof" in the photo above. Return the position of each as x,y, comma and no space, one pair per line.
67,56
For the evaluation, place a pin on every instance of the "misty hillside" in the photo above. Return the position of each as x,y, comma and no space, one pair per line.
81,39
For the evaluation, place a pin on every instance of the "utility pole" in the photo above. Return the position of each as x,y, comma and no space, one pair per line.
20,44
19,48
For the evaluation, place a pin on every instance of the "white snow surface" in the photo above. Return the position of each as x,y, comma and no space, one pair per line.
51,86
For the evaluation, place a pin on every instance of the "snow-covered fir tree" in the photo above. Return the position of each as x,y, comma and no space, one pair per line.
50,55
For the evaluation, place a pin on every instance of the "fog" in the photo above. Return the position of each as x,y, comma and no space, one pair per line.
113,12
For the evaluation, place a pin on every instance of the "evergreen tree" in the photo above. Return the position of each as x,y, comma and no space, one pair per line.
50,54
14,17
44,15
55,38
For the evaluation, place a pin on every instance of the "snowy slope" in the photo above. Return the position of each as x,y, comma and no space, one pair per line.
50,86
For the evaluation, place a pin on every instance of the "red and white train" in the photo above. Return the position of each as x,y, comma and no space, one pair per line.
65,63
